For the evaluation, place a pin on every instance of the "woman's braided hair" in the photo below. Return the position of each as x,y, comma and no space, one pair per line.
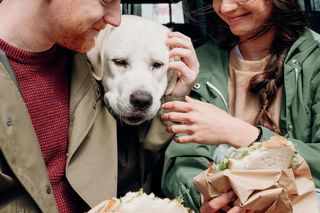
290,22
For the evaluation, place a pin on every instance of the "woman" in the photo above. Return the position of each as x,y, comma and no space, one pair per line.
259,78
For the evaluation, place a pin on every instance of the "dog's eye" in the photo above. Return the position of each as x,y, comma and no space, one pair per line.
120,62
157,65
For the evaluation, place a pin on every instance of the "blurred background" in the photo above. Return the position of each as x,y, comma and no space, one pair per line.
195,17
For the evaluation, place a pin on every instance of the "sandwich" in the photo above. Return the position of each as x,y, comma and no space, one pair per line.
275,153
137,202
268,176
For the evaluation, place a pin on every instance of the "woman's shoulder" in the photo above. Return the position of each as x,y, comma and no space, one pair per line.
210,51
308,39
307,46
210,45
310,34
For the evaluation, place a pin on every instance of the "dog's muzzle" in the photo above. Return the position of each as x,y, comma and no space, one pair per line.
141,100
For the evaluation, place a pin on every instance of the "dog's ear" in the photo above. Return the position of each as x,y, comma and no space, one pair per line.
171,74
96,56
172,80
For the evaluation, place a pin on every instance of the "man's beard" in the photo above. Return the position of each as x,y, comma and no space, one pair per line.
79,37
75,39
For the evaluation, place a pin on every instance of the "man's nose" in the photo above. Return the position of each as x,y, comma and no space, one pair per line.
113,15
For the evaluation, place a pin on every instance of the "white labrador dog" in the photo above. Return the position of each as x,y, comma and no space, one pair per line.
134,60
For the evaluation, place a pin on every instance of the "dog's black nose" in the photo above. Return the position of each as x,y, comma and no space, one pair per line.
141,99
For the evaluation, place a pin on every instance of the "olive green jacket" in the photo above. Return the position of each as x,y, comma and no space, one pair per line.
299,117
92,160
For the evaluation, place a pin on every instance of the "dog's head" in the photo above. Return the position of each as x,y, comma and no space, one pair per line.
134,61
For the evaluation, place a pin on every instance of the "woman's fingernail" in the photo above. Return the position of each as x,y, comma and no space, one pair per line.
176,139
231,194
169,129
236,209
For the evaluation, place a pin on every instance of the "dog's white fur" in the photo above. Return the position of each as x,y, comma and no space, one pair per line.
134,60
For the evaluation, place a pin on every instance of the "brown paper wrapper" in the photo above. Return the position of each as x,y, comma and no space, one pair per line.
268,191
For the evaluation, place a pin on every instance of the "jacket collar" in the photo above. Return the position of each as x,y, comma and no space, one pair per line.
19,144
212,60
4,61
307,42
85,93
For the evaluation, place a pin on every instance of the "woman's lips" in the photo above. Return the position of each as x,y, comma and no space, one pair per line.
237,18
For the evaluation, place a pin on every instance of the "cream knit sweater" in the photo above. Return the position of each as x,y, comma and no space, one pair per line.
242,103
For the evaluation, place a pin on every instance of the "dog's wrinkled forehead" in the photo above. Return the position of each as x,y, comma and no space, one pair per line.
148,36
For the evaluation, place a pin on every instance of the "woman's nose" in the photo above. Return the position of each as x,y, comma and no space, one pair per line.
228,5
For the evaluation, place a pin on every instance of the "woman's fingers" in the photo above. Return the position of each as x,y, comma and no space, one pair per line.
187,67
175,42
187,56
222,200
179,106
183,49
180,129
185,139
179,35
183,72
176,117
215,204
236,209
190,100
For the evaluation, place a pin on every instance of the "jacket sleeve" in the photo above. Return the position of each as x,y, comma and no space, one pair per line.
310,150
311,153
182,163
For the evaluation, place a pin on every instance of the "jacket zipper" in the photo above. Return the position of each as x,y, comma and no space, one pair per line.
214,89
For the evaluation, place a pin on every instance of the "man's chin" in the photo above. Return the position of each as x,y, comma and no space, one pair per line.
79,47
80,44
85,47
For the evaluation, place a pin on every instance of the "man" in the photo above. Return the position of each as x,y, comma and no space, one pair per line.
58,142
48,151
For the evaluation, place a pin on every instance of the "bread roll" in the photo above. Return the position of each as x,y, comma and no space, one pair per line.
276,153
138,202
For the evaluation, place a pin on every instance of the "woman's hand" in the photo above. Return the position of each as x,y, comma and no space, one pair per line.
220,204
205,123
187,68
